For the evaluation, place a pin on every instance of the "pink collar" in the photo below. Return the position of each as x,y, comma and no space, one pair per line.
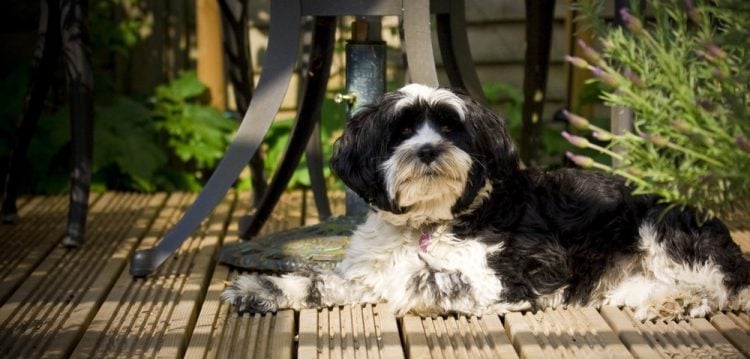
424,241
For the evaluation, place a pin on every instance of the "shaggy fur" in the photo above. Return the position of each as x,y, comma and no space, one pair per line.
457,226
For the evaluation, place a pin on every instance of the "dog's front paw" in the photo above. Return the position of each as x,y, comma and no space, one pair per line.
253,294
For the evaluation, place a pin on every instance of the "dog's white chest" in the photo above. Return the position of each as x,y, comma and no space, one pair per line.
409,269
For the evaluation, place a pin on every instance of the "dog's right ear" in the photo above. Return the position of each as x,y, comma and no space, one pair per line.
359,153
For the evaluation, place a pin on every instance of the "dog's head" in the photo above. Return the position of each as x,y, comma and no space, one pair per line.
423,153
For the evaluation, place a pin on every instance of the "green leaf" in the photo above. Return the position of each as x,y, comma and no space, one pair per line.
185,87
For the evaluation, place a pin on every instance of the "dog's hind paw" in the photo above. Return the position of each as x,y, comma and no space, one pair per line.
253,294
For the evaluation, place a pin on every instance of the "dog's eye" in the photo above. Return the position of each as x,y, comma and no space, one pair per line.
446,129
406,131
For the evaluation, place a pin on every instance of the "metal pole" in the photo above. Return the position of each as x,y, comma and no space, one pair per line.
365,81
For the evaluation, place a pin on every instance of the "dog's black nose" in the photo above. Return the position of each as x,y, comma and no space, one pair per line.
427,153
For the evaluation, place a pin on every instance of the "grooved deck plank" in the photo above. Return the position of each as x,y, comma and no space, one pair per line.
414,337
387,327
158,320
184,312
26,206
40,229
105,279
212,318
47,314
113,320
736,328
696,338
269,334
308,334
351,331
282,335
558,333
497,337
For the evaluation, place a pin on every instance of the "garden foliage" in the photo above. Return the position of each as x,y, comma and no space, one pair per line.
683,68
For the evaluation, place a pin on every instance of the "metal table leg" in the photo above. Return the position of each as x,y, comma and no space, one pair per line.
316,80
45,57
454,48
237,53
80,82
418,42
281,55
539,18
314,156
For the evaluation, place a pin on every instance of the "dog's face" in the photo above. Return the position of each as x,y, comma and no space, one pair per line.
423,152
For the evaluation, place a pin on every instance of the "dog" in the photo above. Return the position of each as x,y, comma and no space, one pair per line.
457,226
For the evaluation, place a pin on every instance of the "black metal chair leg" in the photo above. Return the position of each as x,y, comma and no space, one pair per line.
240,69
539,18
420,60
281,55
454,48
46,55
309,112
80,81
314,156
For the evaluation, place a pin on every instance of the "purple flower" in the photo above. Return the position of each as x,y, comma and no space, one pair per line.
605,77
715,51
692,11
719,73
576,121
634,79
743,143
577,62
655,139
682,126
602,136
577,141
706,105
589,53
580,161
632,23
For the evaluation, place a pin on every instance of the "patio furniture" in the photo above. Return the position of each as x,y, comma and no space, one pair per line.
234,14
63,33
281,55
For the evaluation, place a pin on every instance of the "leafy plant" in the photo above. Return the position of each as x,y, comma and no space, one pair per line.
195,134
333,117
686,78
127,154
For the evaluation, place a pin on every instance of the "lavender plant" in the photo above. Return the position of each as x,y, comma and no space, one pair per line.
685,74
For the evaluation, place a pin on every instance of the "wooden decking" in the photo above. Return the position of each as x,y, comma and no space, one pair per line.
83,303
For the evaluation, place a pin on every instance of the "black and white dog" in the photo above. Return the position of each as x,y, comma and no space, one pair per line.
457,226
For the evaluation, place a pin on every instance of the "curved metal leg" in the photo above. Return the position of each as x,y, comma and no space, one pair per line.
420,59
454,48
281,55
45,56
309,112
314,156
80,79
240,69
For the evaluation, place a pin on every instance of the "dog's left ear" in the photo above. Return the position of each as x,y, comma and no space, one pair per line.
492,144
494,153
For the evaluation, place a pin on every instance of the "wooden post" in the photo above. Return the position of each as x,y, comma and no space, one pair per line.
210,59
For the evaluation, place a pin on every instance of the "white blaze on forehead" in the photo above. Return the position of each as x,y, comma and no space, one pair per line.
425,134
432,96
